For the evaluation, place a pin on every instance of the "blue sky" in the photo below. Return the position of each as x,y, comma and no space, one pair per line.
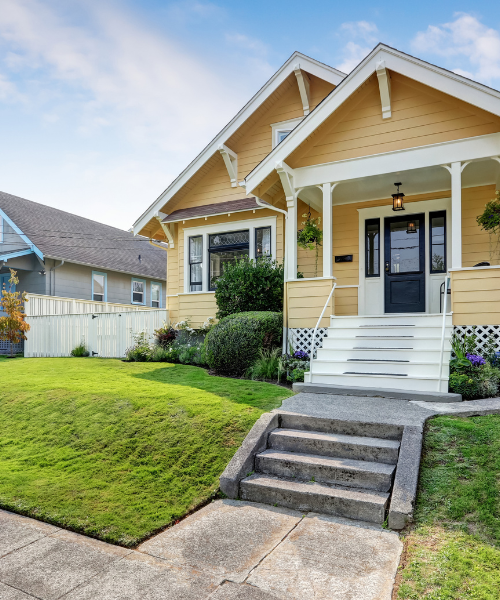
103,103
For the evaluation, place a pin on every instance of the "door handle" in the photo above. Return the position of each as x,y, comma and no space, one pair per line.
387,269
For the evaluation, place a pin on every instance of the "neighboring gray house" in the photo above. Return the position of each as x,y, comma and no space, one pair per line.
57,253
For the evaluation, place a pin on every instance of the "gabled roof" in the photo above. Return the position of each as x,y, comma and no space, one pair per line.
308,64
431,75
61,235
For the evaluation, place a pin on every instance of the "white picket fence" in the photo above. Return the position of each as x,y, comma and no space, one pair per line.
107,335
40,304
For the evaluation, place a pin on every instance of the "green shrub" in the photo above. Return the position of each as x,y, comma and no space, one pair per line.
141,351
233,345
250,285
297,375
266,365
461,383
80,350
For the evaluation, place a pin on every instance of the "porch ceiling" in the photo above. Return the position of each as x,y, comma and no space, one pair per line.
415,181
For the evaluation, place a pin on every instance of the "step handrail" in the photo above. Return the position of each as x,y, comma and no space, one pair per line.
443,331
317,325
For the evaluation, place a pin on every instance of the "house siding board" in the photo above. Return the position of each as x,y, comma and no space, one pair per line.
420,116
305,301
306,258
477,245
475,297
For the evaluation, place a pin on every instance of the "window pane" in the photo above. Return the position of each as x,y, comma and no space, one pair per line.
138,286
196,277
138,291
373,248
219,259
233,238
282,135
99,284
405,247
438,260
155,292
196,249
262,242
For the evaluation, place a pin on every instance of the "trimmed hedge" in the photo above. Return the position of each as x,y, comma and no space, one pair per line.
234,343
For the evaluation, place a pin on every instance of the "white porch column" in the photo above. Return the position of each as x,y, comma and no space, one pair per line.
456,215
327,230
291,237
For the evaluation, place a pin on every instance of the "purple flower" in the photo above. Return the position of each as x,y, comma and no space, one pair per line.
475,359
300,354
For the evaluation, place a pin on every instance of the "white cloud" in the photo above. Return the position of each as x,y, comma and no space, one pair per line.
127,74
464,40
364,37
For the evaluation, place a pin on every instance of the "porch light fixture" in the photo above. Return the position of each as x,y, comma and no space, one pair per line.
397,199
410,227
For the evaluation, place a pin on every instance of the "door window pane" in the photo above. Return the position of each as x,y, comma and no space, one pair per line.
372,242
138,291
438,241
195,262
262,242
99,290
404,247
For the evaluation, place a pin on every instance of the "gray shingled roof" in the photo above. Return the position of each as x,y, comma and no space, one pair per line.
65,236
209,210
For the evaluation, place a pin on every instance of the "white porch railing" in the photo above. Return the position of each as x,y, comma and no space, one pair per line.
41,305
317,325
106,335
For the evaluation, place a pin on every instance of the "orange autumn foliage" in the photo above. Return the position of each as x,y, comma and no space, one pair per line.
13,326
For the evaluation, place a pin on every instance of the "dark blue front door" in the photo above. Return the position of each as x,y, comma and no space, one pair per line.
404,264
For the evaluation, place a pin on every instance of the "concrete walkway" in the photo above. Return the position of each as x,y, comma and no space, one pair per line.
229,550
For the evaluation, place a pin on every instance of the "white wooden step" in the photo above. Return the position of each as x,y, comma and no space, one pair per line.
401,355
391,319
389,381
420,368
396,342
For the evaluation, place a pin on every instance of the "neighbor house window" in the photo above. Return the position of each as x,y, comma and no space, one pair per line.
156,294
437,222
224,249
372,248
262,242
138,291
99,285
196,263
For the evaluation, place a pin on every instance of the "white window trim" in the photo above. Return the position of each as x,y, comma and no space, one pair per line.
144,291
1,229
206,230
287,126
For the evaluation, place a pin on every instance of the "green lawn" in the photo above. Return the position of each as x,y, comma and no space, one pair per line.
117,450
453,551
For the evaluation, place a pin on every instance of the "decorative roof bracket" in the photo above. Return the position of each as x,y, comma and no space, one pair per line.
384,84
304,88
231,161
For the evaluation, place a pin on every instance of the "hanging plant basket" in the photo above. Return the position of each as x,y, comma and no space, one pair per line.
490,221
311,236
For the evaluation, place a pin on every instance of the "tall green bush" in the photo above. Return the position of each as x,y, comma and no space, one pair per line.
250,285
232,345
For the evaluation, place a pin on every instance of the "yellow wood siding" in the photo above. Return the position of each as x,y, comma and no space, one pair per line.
305,300
306,258
420,115
346,301
477,244
196,308
475,297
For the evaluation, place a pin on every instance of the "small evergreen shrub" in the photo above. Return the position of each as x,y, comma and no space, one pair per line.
141,350
250,285
233,344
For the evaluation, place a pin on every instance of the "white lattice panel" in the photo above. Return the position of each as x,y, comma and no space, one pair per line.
5,347
483,333
301,338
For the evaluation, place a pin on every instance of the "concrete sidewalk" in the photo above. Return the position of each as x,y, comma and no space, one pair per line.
229,550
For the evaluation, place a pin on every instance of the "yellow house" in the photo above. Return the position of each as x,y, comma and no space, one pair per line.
316,141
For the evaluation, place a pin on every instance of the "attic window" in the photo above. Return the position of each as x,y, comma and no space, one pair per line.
282,129
281,135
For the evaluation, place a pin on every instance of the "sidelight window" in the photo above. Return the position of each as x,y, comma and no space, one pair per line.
437,222
372,247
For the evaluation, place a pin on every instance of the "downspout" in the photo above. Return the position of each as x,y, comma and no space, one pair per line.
285,303
54,269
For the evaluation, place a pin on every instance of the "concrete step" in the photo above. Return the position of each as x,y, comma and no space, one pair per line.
421,320
336,500
298,422
325,469
364,378
363,341
335,445
400,355
397,368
